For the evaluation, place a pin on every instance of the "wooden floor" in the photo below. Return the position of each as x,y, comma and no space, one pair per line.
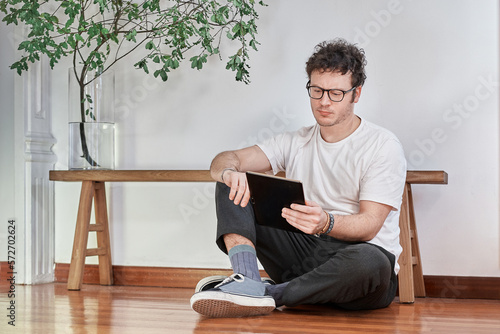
50,308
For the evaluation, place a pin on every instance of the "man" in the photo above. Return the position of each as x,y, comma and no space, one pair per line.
353,174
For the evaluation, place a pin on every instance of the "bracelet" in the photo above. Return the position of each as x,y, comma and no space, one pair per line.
330,226
225,169
325,228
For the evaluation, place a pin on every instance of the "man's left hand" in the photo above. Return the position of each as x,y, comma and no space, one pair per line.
309,218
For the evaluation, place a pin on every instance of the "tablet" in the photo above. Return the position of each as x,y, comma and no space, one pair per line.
269,195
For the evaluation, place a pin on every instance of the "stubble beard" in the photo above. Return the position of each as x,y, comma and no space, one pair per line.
329,123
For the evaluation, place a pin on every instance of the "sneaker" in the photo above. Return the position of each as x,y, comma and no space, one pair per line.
210,282
268,281
236,296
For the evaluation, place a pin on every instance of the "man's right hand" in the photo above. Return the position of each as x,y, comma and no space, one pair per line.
237,181
226,166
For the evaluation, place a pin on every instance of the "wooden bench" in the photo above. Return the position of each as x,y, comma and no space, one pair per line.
411,278
411,281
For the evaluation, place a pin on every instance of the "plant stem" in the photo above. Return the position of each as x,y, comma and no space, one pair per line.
83,137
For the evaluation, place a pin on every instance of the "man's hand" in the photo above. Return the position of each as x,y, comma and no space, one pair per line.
230,167
309,218
237,181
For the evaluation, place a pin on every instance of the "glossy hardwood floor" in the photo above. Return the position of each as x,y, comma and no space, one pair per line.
51,308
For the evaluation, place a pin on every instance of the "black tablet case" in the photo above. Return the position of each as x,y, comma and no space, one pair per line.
270,194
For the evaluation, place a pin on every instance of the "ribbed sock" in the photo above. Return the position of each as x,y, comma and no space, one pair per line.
276,291
244,261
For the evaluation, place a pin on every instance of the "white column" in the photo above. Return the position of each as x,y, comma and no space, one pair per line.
34,193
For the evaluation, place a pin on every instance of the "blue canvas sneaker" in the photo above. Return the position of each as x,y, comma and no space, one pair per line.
210,282
236,296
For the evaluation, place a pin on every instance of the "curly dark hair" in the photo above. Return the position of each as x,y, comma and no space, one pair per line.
339,55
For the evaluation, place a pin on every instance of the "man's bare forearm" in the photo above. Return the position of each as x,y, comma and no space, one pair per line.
362,226
246,159
222,161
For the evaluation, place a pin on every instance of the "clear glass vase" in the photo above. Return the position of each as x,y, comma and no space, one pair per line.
91,119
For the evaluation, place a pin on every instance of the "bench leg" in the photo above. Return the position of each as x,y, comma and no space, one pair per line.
418,274
405,277
103,242
91,190
75,277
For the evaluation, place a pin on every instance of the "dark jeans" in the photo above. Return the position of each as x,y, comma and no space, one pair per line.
320,270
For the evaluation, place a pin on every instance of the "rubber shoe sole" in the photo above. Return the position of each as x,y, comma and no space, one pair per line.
224,305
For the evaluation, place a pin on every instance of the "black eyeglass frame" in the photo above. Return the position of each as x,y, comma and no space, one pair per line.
308,87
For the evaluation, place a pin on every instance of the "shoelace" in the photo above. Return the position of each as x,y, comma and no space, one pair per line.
234,277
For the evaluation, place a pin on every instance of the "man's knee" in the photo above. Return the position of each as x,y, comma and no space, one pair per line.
371,263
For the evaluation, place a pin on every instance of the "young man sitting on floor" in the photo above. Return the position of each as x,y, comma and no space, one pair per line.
353,174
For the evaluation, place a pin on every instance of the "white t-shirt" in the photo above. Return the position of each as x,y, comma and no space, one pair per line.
367,165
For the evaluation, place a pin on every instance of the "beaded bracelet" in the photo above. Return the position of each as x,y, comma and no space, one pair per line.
330,226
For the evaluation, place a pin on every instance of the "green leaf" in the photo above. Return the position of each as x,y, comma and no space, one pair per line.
114,38
71,41
253,43
194,62
78,37
131,35
163,75
142,64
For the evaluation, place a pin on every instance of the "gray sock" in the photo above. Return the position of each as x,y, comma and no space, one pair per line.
276,291
244,261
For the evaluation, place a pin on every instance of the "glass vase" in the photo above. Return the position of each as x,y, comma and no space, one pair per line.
91,119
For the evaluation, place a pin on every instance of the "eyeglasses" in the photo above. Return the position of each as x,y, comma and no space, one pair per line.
336,95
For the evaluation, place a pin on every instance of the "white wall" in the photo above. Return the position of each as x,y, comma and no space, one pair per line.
432,79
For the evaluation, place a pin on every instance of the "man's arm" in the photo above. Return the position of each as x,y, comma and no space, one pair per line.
363,226
229,167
